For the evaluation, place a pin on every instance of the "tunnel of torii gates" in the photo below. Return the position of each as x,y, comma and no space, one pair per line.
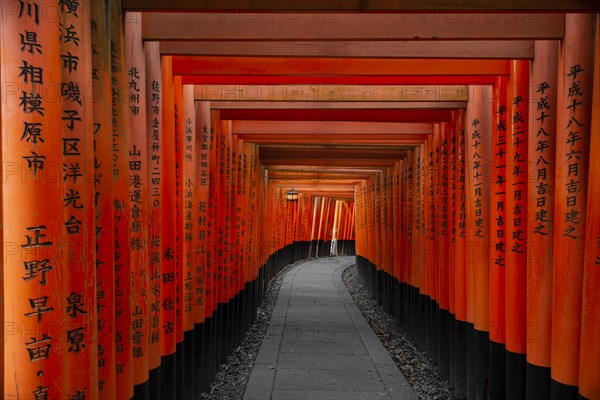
147,152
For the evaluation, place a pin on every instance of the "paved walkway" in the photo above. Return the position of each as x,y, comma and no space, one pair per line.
320,346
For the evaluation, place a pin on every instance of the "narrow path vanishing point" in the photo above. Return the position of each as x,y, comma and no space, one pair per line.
319,346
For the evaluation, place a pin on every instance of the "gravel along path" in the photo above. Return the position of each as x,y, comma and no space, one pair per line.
419,370
232,378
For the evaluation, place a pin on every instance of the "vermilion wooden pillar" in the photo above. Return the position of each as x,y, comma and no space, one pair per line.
178,250
137,171
516,228
452,214
572,147
189,201
460,345
33,192
123,310
434,237
542,150
154,160
168,238
443,252
104,200
478,176
589,360
81,362
201,309
498,241
202,182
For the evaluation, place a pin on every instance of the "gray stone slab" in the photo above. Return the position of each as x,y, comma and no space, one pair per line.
323,348
396,383
342,380
279,394
357,362
309,323
260,384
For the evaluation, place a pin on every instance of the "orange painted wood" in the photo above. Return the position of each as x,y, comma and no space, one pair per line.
542,150
572,146
461,221
350,26
189,202
194,65
123,310
203,136
452,211
418,217
154,160
589,361
178,222
498,238
501,49
478,158
168,238
80,324
240,217
516,206
137,169
104,203
443,217
243,80
32,190
431,262
409,214
215,196
330,9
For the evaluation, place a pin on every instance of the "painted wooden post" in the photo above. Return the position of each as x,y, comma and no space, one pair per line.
542,150
443,251
498,241
81,358
201,312
189,200
516,228
571,176
452,158
33,191
478,177
138,189
178,222
154,161
104,200
589,360
168,238
122,208
460,345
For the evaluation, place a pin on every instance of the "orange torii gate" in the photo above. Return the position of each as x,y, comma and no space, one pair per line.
476,227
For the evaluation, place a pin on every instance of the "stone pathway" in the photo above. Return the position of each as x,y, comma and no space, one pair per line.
319,346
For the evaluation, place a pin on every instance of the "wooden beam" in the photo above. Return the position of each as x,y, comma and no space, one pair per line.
350,26
330,127
335,162
375,115
199,65
336,105
318,154
354,79
317,168
491,49
332,7
314,176
334,93
407,140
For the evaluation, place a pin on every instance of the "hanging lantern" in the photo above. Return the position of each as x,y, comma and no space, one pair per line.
291,195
